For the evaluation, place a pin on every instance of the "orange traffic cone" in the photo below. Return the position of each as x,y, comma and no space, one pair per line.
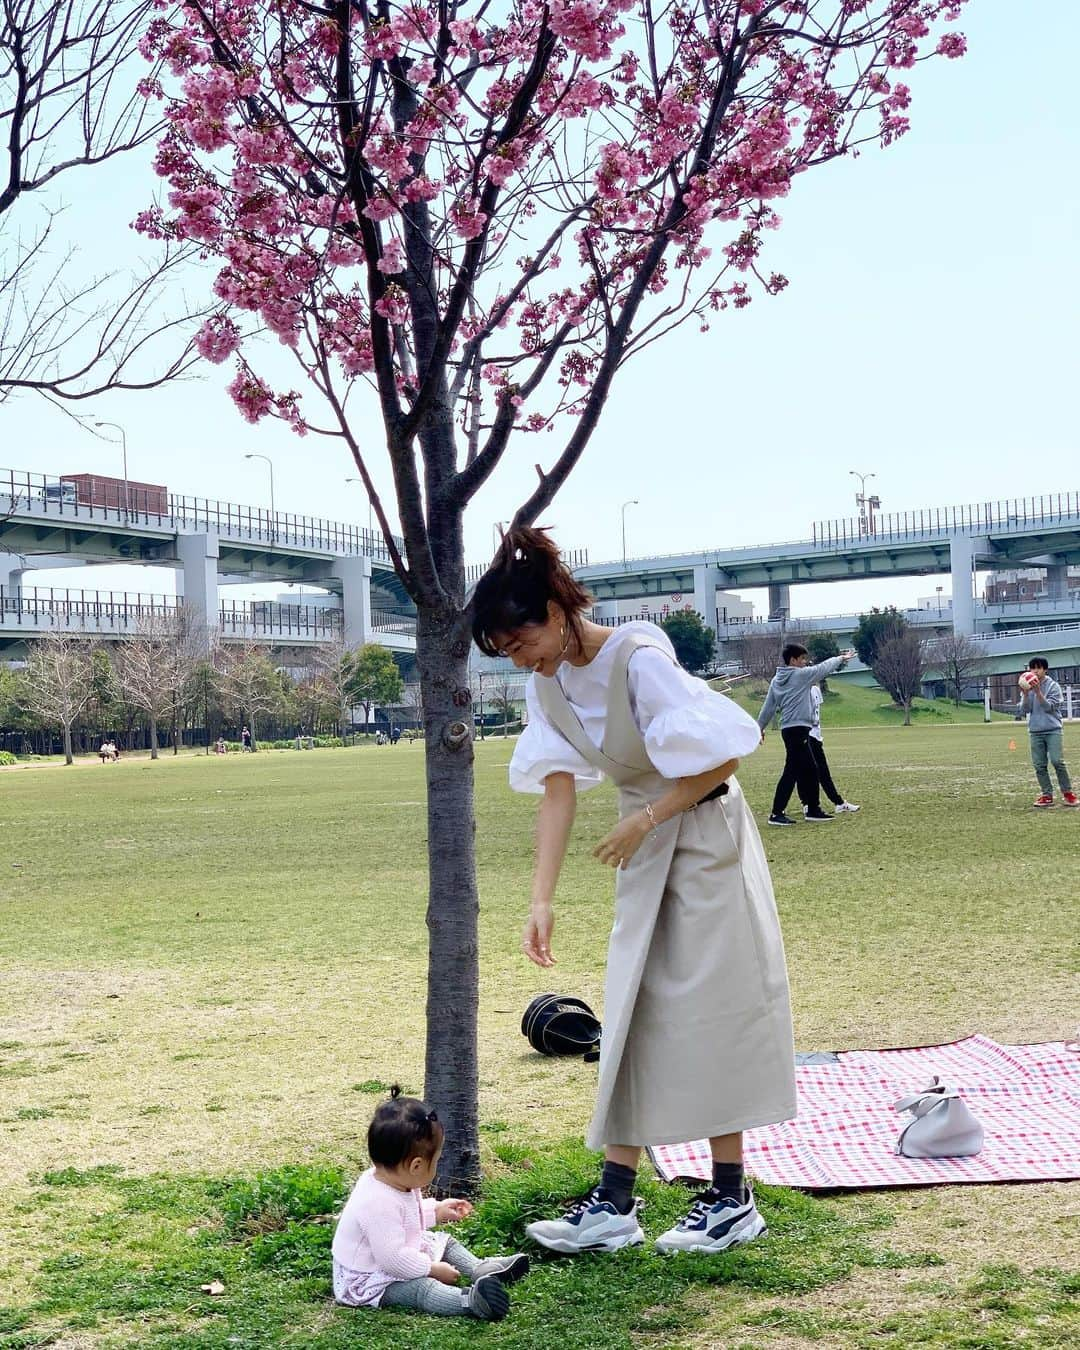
1012,745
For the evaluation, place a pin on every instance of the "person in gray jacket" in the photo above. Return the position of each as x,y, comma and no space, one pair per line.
789,693
1042,703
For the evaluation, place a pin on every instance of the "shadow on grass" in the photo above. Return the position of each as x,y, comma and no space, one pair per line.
136,1260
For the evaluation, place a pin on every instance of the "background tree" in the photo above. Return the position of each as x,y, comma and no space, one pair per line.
154,666
484,219
821,646
59,681
16,716
504,698
899,667
70,99
374,679
250,684
875,629
333,666
693,640
757,654
204,704
317,703
959,658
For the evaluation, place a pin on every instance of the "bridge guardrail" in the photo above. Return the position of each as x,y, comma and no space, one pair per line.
120,611
142,507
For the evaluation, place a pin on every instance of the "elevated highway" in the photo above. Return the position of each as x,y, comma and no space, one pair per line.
1033,531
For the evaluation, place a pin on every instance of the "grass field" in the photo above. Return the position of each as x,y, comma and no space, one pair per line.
210,969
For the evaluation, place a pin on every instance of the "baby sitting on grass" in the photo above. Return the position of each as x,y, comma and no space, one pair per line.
385,1254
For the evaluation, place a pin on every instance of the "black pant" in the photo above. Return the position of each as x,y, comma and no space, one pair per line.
817,749
799,768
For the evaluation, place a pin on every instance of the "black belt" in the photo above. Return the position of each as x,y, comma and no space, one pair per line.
720,791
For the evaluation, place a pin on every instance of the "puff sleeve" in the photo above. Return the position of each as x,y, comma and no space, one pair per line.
688,728
542,749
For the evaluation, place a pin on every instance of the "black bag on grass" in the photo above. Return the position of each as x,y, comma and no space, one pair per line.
560,1025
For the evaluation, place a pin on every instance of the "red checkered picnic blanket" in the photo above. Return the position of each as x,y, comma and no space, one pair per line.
1026,1096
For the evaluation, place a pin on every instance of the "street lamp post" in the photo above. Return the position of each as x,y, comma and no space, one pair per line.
633,502
123,448
273,509
867,505
371,530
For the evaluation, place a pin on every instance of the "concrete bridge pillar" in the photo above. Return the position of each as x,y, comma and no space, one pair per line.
779,599
354,573
962,567
1057,581
706,581
199,555
12,566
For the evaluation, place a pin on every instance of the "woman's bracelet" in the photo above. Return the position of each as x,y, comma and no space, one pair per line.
652,817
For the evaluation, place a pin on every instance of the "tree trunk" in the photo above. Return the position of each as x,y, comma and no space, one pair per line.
451,1068
153,737
68,757
907,712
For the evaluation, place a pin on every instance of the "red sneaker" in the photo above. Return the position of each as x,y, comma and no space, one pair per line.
1070,799
1045,800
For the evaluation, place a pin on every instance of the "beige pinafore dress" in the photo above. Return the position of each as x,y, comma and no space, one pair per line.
697,1034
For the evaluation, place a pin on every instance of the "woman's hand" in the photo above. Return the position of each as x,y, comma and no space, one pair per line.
452,1211
617,848
444,1272
536,939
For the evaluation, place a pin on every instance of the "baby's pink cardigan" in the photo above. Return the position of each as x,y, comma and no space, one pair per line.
381,1233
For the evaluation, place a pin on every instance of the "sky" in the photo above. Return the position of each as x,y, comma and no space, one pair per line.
927,337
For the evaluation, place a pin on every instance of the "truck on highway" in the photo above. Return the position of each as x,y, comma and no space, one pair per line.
116,494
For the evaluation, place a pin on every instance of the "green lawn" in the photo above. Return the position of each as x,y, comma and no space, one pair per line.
210,968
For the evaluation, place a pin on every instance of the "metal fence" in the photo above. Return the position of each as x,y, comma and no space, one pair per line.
44,608
1017,513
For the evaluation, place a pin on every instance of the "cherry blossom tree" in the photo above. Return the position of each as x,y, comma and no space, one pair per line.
469,216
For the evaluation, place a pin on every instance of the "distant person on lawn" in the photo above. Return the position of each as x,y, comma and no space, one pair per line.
817,749
1042,704
790,693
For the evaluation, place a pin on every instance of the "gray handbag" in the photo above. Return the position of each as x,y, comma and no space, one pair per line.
942,1125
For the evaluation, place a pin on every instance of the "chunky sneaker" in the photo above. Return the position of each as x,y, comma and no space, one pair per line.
817,815
1045,799
507,1269
589,1225
846,806
713,1223
487,1299
779,819
1070,799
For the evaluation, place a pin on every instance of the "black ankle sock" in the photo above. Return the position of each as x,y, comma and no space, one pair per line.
617,1186
728,1181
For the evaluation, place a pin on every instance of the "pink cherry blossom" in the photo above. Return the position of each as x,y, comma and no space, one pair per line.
538,213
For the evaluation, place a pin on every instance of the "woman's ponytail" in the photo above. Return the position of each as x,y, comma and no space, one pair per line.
525,575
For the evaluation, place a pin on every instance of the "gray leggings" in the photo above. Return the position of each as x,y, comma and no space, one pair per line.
1046,746
432,1296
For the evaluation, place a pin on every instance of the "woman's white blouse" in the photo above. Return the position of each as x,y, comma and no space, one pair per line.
687,727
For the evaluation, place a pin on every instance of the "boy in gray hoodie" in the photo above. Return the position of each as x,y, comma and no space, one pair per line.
1043,704
790,693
